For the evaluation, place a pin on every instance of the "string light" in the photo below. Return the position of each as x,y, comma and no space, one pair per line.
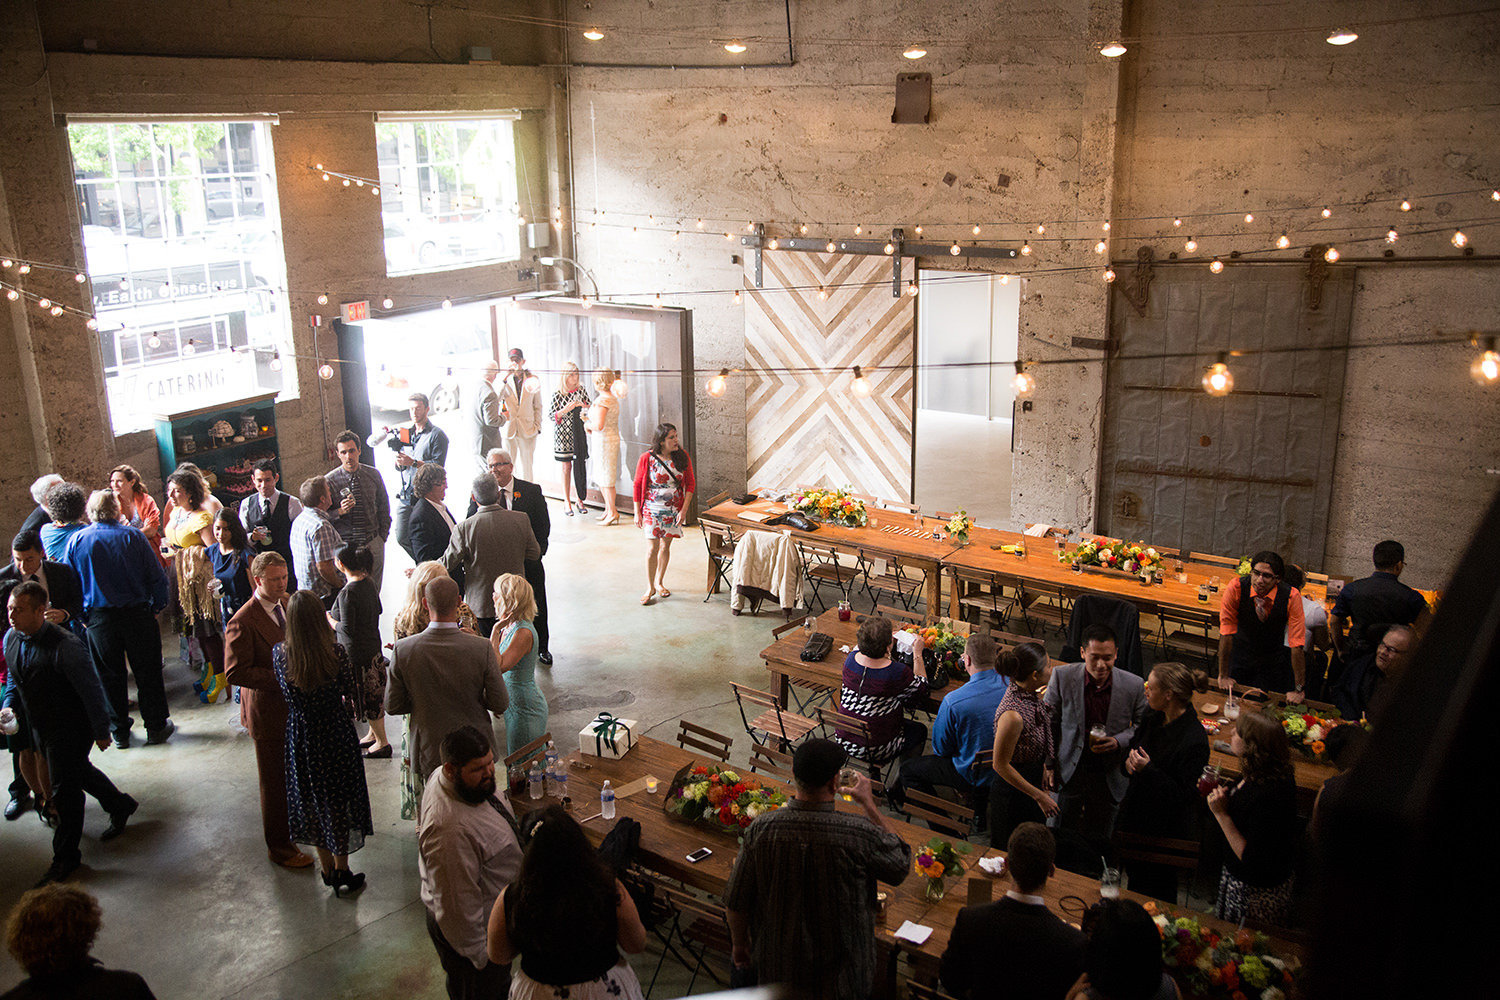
1218,380
1249,217
1327,212
749,227
736,296
91,323
6,262
1459,239
1217,267
861,386
44,303
190,348
153,341
619,389
325,372
275,364
594,35
24,269
889,249
322,300
1105,227
1391,235
57,310
1486,368
1405,206
346,182
12,294
915,52
858,230
1495,195
1025,249
1100,247
1004,279
975,230
587,303
1341,36
1041,229
1331,254
830,247
1190,245
955,250
700,223
80,277
774,244
1176,223
387,303
735,46
719,383
1112,50
728,236
911,288
802,229
1283,241
822,293
1109,275
919,230
1023,381
657,303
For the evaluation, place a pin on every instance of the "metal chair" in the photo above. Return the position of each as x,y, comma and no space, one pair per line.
986,594
764,760
855,730
701,925
821,566
774,724
719,540
1179,854
691,736
1044,604
894,584
941,813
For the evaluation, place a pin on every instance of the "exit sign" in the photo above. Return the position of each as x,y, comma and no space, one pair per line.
356,312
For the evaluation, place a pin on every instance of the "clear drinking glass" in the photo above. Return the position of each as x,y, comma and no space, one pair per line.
1109,884
847,779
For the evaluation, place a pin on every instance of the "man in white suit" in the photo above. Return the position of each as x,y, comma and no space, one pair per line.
1095,708
521,402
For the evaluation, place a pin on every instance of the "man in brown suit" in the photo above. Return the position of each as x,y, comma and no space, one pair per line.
482,548
248,639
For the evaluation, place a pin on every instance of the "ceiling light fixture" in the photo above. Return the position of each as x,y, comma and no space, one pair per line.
1112,50
593,34
1341,36
735,46
915,52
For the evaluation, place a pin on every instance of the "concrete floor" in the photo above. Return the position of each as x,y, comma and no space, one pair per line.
189,898
964,461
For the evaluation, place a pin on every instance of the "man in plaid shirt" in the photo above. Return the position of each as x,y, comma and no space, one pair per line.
316,542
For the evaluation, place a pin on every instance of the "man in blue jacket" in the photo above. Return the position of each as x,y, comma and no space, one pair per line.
964,728
57,686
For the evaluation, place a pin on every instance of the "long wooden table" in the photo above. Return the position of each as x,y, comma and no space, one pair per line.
920,551
665,845
1309,774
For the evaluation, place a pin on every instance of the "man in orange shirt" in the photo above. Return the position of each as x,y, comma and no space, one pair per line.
1262,630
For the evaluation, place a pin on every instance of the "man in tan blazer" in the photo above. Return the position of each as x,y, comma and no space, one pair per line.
248,640
482,548
444,678
522,410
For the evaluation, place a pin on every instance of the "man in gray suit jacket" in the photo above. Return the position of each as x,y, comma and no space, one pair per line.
493,542
444,678
1095,709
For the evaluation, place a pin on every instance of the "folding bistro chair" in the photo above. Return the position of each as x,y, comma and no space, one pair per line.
895,584
764,760
940,813
805,693
857,730
1179,854
691,736
1045,604
531,751
773,724
821,566
700,925
719,540
987,595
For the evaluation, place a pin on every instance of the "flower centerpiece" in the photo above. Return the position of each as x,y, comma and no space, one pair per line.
1243,569
1128,557
936,861
1308,731
1209,966
832,506
941,648
719,798
959,526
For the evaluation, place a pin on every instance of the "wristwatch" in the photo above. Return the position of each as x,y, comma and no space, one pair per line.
1300,689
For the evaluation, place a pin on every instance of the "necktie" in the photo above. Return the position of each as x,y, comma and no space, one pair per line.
1262,607
280,617
505,498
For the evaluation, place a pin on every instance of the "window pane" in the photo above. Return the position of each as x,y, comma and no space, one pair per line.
179,248
448,194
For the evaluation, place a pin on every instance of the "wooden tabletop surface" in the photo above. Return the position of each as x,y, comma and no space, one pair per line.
900,544
1309,774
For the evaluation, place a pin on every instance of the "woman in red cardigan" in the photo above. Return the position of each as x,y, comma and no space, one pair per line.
664,487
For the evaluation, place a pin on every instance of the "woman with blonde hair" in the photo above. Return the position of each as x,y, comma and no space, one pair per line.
189,533
411,619
604,419
328,803
569,443
514,640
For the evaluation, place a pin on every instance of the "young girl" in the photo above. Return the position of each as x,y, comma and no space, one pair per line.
356,622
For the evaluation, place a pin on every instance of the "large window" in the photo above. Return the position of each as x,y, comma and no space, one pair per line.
188,276
448,193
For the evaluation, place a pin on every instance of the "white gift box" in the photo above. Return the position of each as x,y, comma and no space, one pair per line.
606,736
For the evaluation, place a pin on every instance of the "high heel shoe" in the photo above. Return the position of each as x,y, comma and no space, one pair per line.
210,694
342,878
607,521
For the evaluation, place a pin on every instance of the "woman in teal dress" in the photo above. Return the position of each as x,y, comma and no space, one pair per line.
514,639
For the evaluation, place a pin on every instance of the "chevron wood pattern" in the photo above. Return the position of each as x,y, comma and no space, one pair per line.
806,426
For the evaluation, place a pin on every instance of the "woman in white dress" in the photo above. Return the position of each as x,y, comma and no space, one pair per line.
604,423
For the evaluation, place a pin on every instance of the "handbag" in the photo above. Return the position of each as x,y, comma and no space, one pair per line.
818,646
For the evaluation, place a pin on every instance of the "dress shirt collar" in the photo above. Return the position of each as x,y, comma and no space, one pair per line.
1021,897
1089,684
434,625
796,803
489,506
269,607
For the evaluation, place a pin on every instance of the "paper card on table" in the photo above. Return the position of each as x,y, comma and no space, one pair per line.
630,788
915,933
754,515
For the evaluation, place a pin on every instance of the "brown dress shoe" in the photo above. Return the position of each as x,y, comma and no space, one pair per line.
298,860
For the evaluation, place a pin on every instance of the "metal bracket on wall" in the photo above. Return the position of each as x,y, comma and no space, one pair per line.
872,248
898,239
1317,273
1137,290
760,241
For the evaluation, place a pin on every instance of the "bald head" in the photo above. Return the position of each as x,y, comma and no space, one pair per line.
442,599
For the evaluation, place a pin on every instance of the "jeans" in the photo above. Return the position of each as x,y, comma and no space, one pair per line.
114,635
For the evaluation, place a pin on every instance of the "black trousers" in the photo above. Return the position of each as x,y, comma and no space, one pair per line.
1010,807
1085,803
464,981
536,575
116,634
73,774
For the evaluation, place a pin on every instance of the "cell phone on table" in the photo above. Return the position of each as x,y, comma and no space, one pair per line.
699,855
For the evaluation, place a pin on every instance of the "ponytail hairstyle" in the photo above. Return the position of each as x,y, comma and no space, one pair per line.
1022,662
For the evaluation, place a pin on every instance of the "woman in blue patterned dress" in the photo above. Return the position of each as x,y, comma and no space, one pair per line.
328,805
514,639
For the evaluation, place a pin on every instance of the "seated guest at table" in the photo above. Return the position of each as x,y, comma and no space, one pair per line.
39,515
566,918
964,727
1122,960
65,503
1367,606
1024,745
1366,678
1258,817
50,933
1342,746
1166,759
1043,955
876,689
1085,699
1261,630
801,894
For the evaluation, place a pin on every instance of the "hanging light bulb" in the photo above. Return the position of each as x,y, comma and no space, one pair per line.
955,250
1391,235
1100,247
12,294
1105,227
1341,36
358,183
275,364
774,244
153,341
374,190
1041,229
919,230
802,229
1112,50
858,230
326,177
346,182
915,52
24,269
736,297
975,230
830,247
1109,275
447,303
587,303
822,293
531,384
728,236
1004,279
91,323
719,383
1025,249
1405,206
1249,217
1191,244
1176,223
861,386
1486,368
1283,241
57,310
656,304
1327,212
1331,254
889,249
1217,267
1459,239
749,227
1495,195
44,303
619,389
6,262
325,372
735,46
1023,381
80,277
322,300
700,223
1218,380
594,35
190,348
911,288
387,302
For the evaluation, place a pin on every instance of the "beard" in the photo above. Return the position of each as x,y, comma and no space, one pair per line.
475,794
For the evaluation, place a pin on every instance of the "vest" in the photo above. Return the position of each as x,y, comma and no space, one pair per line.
279,523
1260,656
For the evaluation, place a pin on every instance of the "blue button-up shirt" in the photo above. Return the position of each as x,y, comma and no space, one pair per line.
430,445
965,723
117,567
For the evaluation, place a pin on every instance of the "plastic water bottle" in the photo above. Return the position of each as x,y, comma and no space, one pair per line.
607,801
560,779
549,773
534,781
551,753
